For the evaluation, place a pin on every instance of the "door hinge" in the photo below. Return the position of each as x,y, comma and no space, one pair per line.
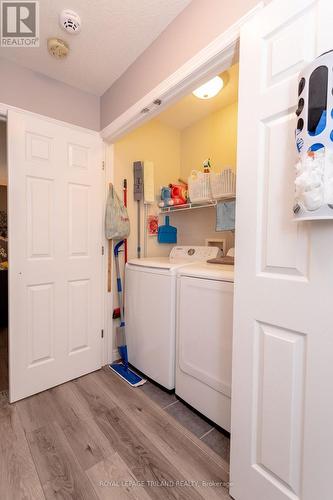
103,165
102,334
102,249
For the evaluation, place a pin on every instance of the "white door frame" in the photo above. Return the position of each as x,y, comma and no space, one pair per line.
109,355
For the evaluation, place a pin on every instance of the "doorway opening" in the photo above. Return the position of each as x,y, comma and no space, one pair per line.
178,140
3,260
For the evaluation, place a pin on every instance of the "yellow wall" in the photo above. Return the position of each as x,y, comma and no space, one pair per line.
156,142
175,153
215,137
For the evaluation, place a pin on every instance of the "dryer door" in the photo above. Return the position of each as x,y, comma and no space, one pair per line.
205,331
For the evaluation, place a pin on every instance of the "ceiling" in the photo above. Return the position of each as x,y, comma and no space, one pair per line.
190,109
114,33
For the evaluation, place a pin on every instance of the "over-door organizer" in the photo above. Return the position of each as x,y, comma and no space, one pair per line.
314,141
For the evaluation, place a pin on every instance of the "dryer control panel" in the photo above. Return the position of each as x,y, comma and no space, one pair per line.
194,253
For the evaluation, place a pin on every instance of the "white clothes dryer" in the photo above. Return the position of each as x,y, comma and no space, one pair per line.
204,339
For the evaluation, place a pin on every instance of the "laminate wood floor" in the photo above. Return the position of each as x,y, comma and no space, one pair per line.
98,438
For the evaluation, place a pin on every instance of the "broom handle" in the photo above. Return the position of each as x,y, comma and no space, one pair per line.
110,258
139,230
125,204
119,287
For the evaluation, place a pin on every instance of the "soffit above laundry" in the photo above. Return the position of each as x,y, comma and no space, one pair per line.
113,34
190,109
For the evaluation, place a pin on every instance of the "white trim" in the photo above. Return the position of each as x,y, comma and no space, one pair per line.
104,295
109,297
115,355
218,54
4,108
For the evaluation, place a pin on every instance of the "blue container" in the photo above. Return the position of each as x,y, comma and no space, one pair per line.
167,233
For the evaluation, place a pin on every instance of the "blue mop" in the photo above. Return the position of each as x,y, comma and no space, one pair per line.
122,368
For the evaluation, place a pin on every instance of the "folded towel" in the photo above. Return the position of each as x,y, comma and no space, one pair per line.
225,215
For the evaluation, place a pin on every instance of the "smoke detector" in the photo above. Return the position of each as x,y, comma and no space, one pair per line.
57,48
70,21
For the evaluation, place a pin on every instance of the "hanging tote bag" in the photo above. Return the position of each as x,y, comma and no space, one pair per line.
117,224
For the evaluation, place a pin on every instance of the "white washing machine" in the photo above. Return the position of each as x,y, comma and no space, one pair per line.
150,301
204,339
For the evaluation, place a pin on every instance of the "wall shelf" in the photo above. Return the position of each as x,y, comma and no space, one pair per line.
192,206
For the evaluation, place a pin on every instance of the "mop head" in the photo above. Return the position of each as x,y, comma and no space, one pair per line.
128,375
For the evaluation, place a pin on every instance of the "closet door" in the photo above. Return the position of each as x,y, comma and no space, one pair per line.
282,407
55,216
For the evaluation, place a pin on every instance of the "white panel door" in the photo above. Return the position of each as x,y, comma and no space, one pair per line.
55,217
282,405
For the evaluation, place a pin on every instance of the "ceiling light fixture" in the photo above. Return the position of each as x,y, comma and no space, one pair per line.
209,89
57,48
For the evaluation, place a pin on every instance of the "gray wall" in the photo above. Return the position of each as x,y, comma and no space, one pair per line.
35,92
